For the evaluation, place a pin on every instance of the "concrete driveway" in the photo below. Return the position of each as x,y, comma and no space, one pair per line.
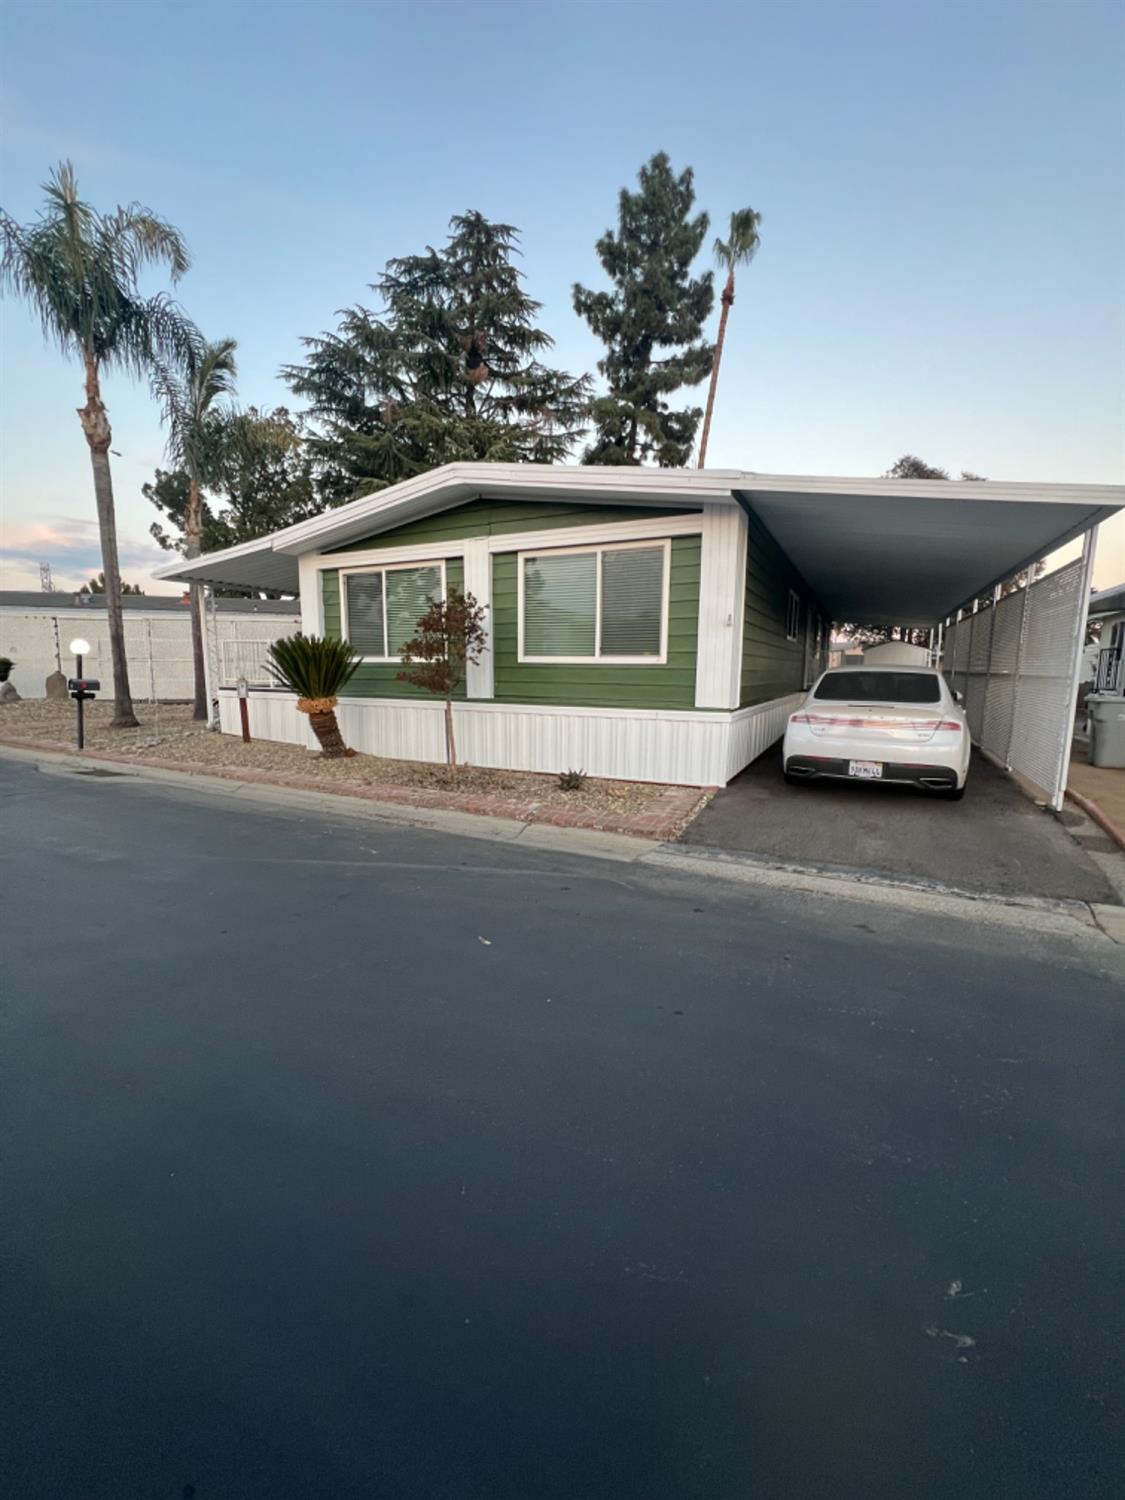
996,839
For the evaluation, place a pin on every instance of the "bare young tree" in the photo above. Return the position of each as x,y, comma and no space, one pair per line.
448,638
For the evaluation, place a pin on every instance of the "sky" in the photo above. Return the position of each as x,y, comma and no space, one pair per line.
942,190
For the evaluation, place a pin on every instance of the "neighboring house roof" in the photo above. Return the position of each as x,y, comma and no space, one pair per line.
1109,601
58,602
902,551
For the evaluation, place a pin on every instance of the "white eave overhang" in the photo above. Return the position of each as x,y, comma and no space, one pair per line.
274,558
874,550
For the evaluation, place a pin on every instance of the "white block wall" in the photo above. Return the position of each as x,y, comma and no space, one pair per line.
157,646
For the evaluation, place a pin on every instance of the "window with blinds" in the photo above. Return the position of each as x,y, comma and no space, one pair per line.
383,605
560,604
598,604
409,593
366,626
793,616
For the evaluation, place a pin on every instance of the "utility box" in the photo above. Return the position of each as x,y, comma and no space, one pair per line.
1107,729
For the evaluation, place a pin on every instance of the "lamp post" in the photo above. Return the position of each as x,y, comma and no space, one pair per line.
80,648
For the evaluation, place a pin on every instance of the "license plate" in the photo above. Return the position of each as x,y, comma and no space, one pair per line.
866,768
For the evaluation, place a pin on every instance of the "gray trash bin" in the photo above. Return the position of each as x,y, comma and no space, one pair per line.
1107,729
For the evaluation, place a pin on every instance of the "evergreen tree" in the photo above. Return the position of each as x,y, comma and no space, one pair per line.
97,586
259,479
449,369
651,322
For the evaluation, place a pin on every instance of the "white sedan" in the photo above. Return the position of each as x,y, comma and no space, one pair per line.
898,724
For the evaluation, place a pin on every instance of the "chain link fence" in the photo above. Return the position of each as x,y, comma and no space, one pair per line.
1013,664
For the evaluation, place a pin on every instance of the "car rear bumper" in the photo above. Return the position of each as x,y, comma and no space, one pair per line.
934,778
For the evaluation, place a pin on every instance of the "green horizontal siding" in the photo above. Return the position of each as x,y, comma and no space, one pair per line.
771,665
595,684
500,518
377,679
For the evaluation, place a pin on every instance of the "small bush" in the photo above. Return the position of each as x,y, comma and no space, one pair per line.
571,781
311,667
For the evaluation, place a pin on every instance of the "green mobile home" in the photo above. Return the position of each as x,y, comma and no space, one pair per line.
660,624
641,624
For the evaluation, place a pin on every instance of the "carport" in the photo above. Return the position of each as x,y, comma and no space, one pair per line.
956,558
947,555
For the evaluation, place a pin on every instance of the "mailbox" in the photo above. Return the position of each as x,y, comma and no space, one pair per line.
82,687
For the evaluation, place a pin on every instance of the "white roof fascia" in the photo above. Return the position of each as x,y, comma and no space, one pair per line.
454,483
1090,495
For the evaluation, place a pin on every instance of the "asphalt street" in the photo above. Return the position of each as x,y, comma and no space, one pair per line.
345,1159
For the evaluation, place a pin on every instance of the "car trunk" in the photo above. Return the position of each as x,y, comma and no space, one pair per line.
876,723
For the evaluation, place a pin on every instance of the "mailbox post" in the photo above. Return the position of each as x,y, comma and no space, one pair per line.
81,688
244,708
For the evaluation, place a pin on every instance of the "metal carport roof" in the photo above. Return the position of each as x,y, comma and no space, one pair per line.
910,552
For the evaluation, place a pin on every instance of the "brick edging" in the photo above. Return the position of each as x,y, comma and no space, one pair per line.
663,819
1100,817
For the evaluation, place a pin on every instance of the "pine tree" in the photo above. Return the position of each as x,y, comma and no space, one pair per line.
651,322
450,369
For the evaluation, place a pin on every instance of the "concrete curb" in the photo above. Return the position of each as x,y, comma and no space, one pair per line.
668,814
1095,813
1038,915
1063,918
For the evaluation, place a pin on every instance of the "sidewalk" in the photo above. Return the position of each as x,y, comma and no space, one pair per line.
1099,790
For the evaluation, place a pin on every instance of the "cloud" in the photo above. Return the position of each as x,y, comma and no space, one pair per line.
73,548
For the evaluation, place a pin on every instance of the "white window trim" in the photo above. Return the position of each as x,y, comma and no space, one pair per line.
407,567
598,660
793,616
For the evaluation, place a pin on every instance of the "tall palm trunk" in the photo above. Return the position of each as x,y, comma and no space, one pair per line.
95,425
728,303
193,546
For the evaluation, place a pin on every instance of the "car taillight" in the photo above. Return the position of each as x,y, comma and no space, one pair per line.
950,724
799,719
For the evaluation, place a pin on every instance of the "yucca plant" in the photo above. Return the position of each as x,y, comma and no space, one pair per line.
315,669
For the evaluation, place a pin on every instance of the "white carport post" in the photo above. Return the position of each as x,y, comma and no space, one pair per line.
1066,728
207,618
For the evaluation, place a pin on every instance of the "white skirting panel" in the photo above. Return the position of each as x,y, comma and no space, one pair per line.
681,748
754,730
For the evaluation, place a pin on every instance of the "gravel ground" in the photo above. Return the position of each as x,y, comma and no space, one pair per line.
168,733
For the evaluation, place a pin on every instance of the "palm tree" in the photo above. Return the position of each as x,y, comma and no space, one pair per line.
739,250
79,271
199,433
315,668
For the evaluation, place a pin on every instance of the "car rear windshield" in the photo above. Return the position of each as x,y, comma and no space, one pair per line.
880,687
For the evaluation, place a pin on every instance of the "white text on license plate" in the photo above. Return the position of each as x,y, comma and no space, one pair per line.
873,768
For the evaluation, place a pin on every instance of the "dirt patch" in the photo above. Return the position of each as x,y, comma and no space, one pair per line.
168,734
